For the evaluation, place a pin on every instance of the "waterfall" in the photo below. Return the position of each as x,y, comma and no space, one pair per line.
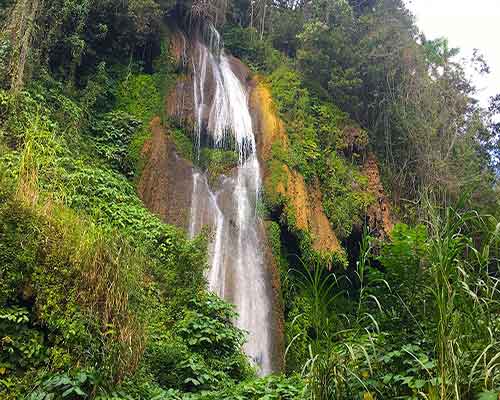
237,265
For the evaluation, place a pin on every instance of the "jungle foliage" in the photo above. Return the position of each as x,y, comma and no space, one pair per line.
99,299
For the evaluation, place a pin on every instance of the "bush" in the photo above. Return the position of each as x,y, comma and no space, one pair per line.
217,162
345,195
112,135
139,97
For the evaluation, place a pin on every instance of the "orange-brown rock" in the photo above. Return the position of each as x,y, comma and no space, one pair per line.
269,128
324,238
166,180
179,48
302,202
379,213
179,103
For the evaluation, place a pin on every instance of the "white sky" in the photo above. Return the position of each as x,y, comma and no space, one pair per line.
467,24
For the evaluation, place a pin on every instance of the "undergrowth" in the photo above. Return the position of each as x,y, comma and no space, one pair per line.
102,299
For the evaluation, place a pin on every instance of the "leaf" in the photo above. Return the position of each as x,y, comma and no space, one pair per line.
419,383
489,396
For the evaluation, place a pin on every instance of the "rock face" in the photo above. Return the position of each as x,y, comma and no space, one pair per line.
269,127
302,202
179,103
378,214
166,180
178,191
169,184
179,48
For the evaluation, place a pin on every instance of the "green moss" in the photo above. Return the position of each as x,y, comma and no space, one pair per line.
277,176
183,143
274,237
217,162
317,133
138,95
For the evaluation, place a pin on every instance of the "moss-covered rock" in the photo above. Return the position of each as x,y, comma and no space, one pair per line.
285,188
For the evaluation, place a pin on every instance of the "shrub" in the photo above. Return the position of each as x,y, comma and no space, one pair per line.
112,135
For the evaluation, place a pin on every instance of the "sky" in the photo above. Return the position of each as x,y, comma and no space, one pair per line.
467,24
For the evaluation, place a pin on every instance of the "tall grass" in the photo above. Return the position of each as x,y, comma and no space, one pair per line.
466,297
461,301
38,155
339,349
109,272
320,287
105,270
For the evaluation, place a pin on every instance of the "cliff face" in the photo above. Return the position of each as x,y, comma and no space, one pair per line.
379,213
302,203
175,189
165,183
168,193
169,182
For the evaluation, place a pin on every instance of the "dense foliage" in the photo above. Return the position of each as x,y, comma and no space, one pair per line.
100,299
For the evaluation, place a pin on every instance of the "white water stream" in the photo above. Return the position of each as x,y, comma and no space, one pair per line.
237,265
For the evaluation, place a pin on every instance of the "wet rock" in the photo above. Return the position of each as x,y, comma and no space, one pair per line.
179,103
379,213
166,180
241,71
170,187
179,48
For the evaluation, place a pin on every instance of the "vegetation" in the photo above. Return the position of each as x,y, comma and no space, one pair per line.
99,299
217,162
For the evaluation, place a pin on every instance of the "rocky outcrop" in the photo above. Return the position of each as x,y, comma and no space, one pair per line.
324,238
269,127
304,210
166,187
179,48
166,180
379,212
179,103
302,203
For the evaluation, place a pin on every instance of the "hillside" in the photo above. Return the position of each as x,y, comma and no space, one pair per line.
243,200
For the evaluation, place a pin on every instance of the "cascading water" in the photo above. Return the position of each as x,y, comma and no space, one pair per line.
237,265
